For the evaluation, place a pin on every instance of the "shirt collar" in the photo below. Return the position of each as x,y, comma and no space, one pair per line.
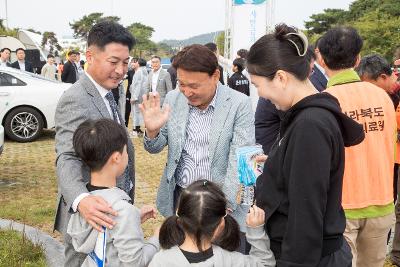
345,76
103,91
321,69
157,72
212,103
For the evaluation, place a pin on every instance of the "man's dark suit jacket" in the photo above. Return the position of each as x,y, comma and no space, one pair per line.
69,73
28,66
221,74
318,79
267,122
172,72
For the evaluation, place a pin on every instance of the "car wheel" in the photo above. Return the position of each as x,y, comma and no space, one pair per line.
23,124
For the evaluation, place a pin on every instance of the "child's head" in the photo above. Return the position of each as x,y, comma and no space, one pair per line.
202,215
238,65
101,142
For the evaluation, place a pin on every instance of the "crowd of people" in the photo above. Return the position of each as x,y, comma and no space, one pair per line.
326,120
69,72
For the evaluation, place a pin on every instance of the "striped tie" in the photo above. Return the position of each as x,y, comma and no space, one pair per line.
126,184
113,106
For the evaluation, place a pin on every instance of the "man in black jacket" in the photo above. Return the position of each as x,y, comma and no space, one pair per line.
213,47
69,74
21,63
318,77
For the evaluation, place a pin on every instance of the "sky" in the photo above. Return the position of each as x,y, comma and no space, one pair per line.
173,19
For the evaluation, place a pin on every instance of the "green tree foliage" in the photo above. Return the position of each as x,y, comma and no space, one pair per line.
142,34
381,35
165,50
82,26
378,22
49,39
7,32
221,42
322,22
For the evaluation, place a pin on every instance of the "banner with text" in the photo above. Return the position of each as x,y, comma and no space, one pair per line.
249,22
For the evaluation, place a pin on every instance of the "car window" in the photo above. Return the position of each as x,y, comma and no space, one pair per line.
9,80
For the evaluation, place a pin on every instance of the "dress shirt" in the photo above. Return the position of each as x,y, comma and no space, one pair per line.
3,63
154,80
194,163
321,69
21,65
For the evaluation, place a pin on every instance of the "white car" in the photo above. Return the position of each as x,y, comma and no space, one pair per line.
1,139
27,103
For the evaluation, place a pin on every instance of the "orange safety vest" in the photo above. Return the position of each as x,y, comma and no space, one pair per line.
398,129
368,174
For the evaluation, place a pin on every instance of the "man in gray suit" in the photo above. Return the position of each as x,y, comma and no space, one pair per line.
158,80
90,98
206,125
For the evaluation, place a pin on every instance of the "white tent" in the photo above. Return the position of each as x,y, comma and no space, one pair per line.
12,43
32,41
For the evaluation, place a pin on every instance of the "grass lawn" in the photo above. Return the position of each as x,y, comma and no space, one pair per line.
28,185
16,250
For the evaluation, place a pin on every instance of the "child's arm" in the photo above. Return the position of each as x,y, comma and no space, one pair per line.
256,236
128,238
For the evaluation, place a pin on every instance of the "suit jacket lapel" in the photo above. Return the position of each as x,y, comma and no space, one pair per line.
222,107
96,97
182,116
160,75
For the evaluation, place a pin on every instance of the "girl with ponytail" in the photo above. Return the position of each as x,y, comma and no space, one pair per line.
202,233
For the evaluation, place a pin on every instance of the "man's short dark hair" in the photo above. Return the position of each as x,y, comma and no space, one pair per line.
310,53
106,32
4,49
71,53
141,62
242,53
316,44
212,46
50,56
95,141
372,66
196,58
156,57
239,63
18,49
340,47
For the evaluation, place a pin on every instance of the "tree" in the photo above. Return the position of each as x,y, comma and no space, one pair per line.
50,40
220,41
380,35
166,50
142,34
82,27
33,30
7,32
378,22
322,22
